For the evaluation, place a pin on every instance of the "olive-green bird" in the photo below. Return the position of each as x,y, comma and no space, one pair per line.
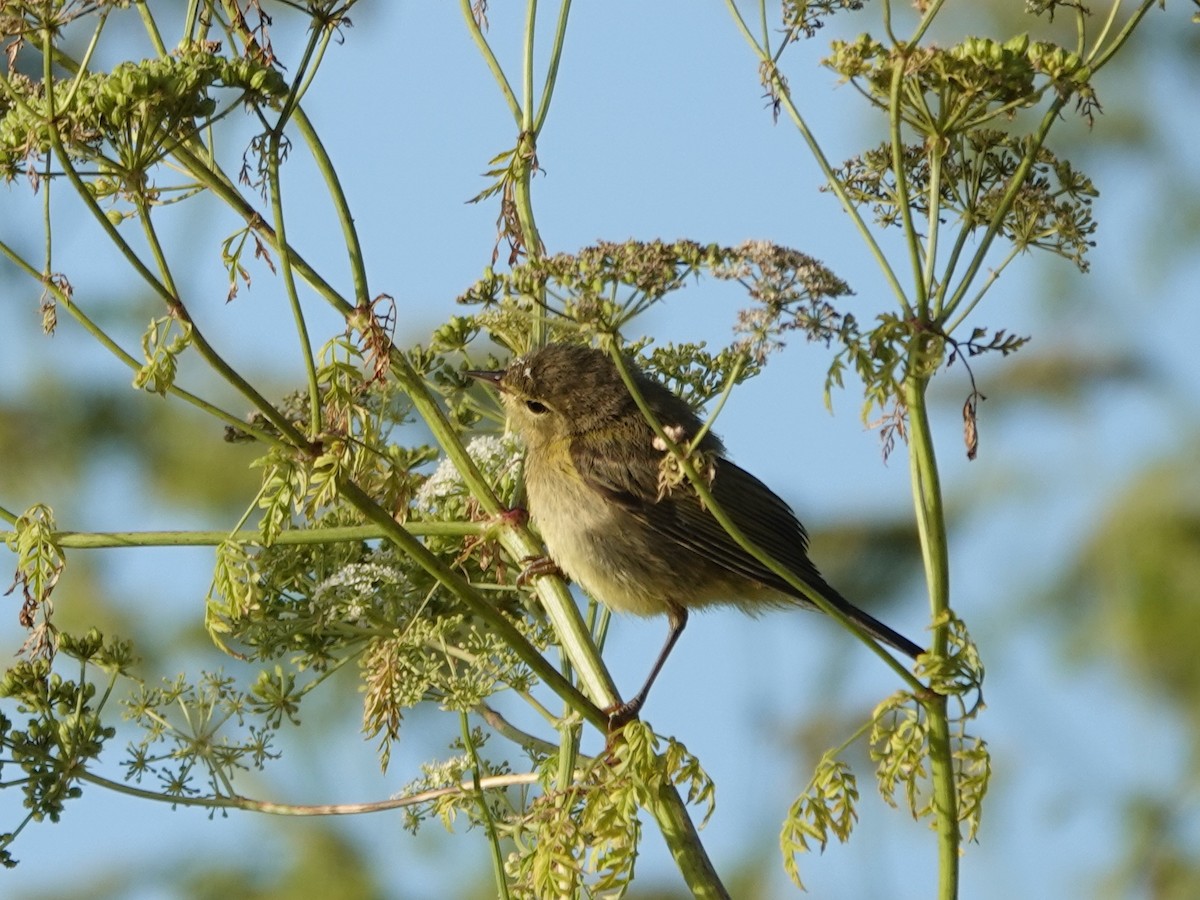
593,469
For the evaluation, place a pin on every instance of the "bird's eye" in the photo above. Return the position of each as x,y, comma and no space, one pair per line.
534,407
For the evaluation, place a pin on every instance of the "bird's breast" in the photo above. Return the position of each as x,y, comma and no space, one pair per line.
596,542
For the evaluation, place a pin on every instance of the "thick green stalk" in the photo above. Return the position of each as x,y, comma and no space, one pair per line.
517,541
678,830
931,526
400,536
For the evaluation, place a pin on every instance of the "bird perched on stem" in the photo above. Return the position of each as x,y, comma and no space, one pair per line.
620,520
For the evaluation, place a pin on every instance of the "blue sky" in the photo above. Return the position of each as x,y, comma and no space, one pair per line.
659,129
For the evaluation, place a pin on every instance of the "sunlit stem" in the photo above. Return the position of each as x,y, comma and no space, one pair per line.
931,527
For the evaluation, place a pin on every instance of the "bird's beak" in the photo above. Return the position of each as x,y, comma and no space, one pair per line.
492,377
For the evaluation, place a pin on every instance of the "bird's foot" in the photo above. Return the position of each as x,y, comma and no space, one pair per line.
619,716
533,566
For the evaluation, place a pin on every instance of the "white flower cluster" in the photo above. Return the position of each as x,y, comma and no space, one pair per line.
351,586
437,774
495,456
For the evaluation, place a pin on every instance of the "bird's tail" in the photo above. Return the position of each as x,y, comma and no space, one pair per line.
868,622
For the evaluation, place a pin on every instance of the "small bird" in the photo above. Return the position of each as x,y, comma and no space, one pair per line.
594,481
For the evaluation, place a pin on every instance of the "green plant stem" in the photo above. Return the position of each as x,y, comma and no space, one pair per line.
151,27
333,184
65,300
289,283
527,66
523,739
560,33
167,291
492,782
306,71
215,180
903,201
927,17
931,527
1015,183
94,540
933,221
489,57
485,811
993,274
780,90
683,841
1097,58
396,533
700,484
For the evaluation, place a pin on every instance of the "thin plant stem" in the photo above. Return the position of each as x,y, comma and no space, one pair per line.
527,67
560,33
969,307
333,184
289,283
95,540
700,485
903,201
151,28
492,782
1095,60
781,91
523,739
933,220
485,811
65,300
493,64
398,535
1016,182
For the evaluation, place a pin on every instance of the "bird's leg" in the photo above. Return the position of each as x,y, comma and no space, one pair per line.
534,566
625,712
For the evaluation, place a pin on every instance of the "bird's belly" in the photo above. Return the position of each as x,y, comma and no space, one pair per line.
601,547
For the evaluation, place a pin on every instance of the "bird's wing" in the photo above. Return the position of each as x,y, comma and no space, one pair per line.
681,519
753,507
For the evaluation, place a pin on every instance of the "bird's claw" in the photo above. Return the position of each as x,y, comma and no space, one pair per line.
619,716
533,566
